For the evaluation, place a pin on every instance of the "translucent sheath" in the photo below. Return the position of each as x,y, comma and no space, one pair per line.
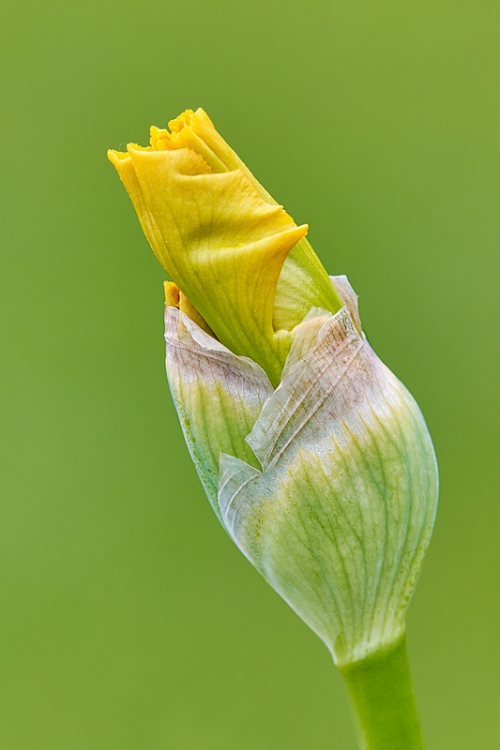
328,484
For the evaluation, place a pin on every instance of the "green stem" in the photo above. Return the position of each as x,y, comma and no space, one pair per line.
382,695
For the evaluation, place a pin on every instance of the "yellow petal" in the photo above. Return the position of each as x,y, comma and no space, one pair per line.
244,265
175,298
123,164
224,246
172,294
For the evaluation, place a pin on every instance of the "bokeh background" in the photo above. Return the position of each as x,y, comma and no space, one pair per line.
128,621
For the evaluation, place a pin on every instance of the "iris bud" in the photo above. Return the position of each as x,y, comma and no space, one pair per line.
314,456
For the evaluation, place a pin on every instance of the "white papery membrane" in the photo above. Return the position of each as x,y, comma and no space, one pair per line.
328,484
218,397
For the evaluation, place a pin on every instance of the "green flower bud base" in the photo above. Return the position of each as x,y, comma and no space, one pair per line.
381,692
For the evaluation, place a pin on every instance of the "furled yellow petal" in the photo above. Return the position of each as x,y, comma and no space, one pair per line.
303,282
123,164
241,261
222,244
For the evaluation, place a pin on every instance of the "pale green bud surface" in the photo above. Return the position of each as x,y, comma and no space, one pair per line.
327,484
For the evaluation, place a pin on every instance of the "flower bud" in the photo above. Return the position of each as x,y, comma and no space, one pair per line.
314,456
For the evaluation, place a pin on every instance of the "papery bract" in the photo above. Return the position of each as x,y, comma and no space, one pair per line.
327,484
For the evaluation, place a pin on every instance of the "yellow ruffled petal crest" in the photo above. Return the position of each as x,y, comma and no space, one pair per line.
219,240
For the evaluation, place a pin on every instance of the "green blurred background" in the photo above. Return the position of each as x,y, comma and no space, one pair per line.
128,620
